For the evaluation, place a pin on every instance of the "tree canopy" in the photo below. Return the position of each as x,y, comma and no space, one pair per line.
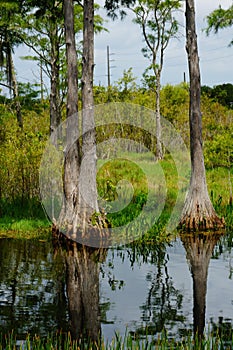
219,19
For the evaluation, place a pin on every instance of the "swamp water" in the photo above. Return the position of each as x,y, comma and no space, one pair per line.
179,286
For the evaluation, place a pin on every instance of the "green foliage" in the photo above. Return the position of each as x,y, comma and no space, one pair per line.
21,151
24,229
220,180
220,93
22,208
156,18
41,27
219,150
158,27
127,85
110,175
109,179
219,19
20,155
217,134
9,36
175,102
148,81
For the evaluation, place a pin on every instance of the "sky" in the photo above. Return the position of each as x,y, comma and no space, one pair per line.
125,42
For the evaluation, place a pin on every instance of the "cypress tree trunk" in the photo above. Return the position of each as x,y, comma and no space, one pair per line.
198,212
69,213
89,204
159,151
15,92
79,181
17,103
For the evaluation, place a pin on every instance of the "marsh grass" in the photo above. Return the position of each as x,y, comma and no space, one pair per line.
220,192
60,341
142,171
22,228
43,234
146,177
26,218
23,219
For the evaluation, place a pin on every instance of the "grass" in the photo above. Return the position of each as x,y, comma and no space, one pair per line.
218,184
23,219
151,181
126,184
61,341
148,177
219,190
41,233
18,224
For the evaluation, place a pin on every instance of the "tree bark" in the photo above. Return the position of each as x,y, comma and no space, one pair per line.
71,57
88,123
69,213
198,212
16,94
79,182
159,151
55,112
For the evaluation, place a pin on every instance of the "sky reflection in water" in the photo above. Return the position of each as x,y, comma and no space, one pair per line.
135,289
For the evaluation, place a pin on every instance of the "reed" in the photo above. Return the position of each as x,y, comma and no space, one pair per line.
61,341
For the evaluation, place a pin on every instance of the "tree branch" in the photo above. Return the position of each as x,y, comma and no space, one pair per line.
7,86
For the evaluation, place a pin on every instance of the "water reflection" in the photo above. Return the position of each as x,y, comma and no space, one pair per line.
162,308
199,249
142,288
82,284
32,289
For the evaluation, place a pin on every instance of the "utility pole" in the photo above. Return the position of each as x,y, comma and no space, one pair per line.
108,67
108,71
41,82
184,78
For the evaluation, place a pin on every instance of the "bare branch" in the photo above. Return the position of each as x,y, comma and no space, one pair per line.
7,86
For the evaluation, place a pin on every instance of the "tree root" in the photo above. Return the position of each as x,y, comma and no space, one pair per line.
197,217
93,234
196,223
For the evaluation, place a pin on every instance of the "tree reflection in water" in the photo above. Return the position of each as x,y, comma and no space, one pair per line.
32,289
199,249
82,285
39,289
163,305
162,309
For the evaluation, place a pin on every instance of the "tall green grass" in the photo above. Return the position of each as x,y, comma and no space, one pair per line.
23,218
218,181
22,208
142,173
61,341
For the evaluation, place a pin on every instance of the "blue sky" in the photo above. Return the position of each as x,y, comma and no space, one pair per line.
125,41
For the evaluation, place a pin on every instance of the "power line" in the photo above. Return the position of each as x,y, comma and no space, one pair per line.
143,59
